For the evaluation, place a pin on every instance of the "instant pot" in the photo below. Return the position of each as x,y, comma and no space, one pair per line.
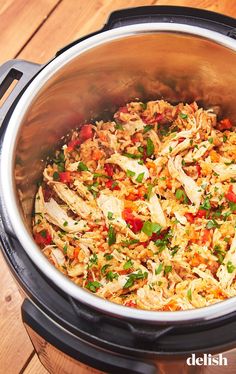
175,53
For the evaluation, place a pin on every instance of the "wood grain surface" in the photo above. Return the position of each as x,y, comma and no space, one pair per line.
34,30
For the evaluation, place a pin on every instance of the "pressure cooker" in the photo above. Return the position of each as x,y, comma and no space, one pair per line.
175,53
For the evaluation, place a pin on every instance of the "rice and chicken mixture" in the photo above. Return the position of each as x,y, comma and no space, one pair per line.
141,210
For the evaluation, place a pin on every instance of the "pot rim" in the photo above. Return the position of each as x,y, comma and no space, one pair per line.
9,195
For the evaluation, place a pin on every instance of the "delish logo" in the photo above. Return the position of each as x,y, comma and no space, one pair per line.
207,360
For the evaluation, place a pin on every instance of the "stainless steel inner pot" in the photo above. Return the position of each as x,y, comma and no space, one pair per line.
89,81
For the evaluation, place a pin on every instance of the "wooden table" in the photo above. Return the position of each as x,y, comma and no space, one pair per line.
34,30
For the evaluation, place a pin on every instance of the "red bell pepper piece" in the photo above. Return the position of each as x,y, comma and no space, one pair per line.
135,223
225,124
206,237
43,237
190,217
152,119
112,185
230,195
109,169
201,213
130,304
65,177
199,170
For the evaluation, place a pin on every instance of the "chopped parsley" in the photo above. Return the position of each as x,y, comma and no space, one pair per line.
189,294
93,286
110,276
104,268
210,140
82,167
128,264
108,256
230,267
93,260
56,176
118,126
183,115
150,147
147,128
181,195
212,224
158,270
167,269
131,155
133,277
110,215
206,204
129,242
151,227
224,138
139,178
65,224
130,173
111,235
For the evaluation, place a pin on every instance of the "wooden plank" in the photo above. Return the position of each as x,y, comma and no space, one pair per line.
19,19
35,367
226,7
70,21
15,345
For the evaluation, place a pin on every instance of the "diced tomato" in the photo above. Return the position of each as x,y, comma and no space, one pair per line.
180,140
112,185
152,119
201,213
225,124
130,304
206,237
73,144
43,237
230,195
132,196
199,170
76,252
97,154
86,132
122,109
105,228
136,138
135,223
65,177
109,169
190,217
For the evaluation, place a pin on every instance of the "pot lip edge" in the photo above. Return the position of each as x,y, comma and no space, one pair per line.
15,217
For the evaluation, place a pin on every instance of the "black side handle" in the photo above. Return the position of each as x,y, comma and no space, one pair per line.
81,350
142,333
172,14
14,70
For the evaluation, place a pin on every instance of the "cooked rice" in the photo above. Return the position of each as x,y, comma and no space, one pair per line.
141,210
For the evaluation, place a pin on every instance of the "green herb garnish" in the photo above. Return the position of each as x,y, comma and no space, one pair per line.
183,115
130,173
135,276
158,269
212,224
128,264
147,128
167,269
150,147
230,267
93,286
82,167
139,178
189,294
111,235
151,227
